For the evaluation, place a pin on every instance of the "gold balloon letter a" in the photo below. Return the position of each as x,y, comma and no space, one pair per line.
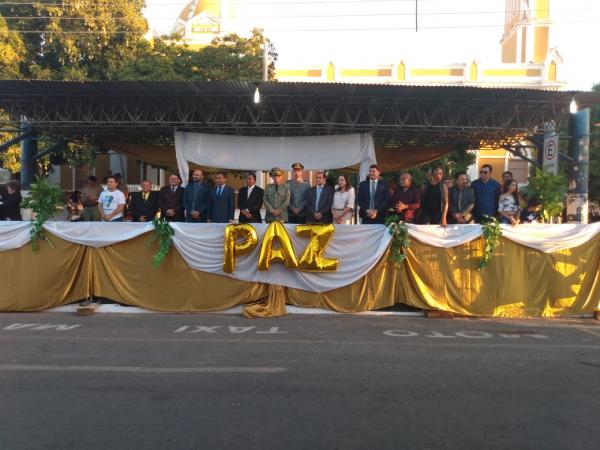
312,259
285,253
234,248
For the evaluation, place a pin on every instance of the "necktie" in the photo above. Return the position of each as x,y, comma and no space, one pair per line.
145,196
318,196
460,194
173,190
372,195
219,191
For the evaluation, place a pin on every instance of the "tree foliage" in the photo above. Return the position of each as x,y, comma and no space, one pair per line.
75,40
105,40
230,57
12,52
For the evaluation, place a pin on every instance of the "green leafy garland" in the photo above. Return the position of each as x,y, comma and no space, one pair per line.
164,233
44,199
491,236
400,239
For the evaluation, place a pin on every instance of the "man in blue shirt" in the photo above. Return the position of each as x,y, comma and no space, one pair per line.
487,191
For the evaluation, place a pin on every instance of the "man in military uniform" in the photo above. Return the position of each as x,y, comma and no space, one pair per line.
277,197
299,195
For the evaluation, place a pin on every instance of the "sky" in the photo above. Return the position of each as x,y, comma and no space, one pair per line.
362,32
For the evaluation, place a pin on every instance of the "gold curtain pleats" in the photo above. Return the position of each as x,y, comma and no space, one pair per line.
519,282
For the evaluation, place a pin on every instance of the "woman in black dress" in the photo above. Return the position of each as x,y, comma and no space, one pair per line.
434,203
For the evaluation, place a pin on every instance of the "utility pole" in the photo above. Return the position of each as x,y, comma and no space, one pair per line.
579,151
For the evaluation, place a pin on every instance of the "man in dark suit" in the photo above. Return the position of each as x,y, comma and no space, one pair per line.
320,201
144,205
170,200
250,200
373,197
221,205
195,198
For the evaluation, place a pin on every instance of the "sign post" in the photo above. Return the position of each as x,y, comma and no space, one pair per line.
550,158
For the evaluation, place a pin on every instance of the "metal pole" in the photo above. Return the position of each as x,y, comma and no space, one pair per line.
579,151
28,152
416,15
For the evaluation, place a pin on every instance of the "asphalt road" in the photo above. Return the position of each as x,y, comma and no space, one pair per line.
209,381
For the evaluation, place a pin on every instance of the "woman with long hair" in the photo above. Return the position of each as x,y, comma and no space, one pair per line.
343,201
508,203
434,201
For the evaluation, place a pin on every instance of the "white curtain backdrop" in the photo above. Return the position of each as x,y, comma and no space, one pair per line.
263,153
358,249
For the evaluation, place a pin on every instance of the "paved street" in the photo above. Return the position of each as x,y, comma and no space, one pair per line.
210,381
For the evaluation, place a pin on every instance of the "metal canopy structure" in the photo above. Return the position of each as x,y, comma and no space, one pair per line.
406,115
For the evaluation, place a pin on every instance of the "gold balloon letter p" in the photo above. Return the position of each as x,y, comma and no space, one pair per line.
285,253
233,248
312,259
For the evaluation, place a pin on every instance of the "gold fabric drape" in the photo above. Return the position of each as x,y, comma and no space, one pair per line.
519,282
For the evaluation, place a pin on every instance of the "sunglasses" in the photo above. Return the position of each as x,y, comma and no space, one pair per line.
484,172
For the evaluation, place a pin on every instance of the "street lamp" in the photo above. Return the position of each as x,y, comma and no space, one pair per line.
257,95
573,106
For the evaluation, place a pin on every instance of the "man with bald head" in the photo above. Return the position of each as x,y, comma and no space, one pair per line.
196,197
406,199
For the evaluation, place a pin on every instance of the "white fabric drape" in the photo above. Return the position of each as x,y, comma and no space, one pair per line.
263,153
549,238
546,238
357,248
97,234
14,235
451,236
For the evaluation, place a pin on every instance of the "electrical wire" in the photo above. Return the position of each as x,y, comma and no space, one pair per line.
295,30
312,16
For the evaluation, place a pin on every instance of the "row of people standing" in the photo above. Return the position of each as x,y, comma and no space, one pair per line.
437,203
295,201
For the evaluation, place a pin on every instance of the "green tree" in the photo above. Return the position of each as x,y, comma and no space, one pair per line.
230,57
12,52
74,40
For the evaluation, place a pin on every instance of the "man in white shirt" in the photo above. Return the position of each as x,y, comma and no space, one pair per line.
111,202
